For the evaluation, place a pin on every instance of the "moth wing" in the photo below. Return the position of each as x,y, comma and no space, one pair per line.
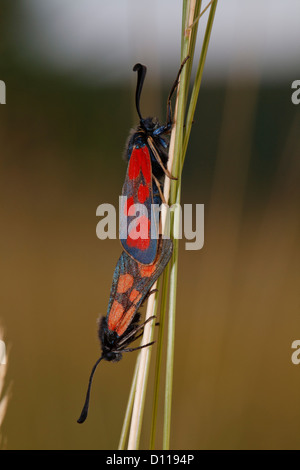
139,219
119,269
132,282
149,274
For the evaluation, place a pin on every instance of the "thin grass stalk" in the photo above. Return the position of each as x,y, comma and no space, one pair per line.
185,8
142,376
189,38
126,422
198,78
167,189
163,309
175,198
170,344
188,46
5,398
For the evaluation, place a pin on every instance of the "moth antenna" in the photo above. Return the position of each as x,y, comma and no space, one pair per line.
85,408
141,70
175,84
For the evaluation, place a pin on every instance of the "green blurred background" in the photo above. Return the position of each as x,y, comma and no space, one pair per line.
62,138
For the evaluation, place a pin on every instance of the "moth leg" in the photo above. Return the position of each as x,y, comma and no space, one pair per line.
139,347
129,340
156,154
152,291
133,332
159,189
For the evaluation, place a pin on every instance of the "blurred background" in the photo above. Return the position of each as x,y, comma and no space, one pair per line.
69,106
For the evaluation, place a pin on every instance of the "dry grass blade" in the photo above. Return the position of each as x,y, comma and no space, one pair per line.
3,399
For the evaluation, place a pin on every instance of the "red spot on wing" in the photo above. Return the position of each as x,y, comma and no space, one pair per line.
129,202
125,283
143,193
115,315
126,320
140,162
147,271
118,318
135,296
140,243
139,236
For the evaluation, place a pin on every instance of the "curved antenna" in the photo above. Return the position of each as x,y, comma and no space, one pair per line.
175,85
141,70
85,408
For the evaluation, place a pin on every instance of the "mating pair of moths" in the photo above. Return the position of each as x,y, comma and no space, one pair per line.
144,258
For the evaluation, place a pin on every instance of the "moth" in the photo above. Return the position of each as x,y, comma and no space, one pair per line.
131,286
147,154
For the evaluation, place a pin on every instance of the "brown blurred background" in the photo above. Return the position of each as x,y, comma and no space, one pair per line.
62,138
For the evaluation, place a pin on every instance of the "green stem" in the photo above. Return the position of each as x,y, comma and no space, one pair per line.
142,379
170,344
161,330
198,79
128,412
191,11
